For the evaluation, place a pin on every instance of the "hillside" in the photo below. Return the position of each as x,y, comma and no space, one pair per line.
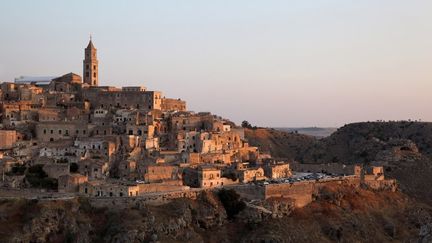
339,214
319,132
404,148
279,143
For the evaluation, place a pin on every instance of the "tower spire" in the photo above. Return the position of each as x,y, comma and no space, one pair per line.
90,65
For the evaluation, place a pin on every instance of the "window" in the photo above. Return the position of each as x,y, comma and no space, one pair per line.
87,74
52,131
44,131
94,75
60,131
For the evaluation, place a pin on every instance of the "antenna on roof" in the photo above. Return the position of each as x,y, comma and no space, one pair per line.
90,36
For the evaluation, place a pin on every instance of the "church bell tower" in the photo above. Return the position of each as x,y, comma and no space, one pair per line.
90,65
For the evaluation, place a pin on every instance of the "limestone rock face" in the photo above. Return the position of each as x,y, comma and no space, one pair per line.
258,211
399,150
338,213
425,234
176,220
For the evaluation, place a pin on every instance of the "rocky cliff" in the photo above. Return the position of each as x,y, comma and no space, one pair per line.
339,213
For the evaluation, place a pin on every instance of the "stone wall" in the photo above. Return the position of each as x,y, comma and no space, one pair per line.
152,199
160,187
7,138
381,184
249,191
335,168
300,192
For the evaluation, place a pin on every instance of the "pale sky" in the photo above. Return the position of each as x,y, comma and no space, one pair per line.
273,63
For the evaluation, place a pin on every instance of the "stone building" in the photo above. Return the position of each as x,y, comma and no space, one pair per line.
250,174
173,105
94,169
71,183
146,100
53,131
68,83
204,176
7,138
159,173
109,188
50,114
276,171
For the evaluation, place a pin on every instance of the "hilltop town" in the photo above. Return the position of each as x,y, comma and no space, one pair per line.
69,136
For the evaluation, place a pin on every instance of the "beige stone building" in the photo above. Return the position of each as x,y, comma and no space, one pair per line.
250,174
53,131
276,171
7,138
160,173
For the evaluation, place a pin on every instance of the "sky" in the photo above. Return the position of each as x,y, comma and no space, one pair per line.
274,63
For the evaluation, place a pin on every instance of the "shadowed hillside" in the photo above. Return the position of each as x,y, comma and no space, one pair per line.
279,143
339,214
404,148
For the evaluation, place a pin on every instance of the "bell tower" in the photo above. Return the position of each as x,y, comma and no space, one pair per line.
90,65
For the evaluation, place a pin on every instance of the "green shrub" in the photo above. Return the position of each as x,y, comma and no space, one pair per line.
231,202
17,170
39,179
73,168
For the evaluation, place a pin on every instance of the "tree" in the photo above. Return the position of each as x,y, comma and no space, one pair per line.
231,202
73,168
246,124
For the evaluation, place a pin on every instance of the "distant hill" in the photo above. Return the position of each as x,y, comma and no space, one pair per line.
319,132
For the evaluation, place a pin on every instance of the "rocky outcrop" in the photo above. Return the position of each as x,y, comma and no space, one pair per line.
259,211
338,213
398,150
